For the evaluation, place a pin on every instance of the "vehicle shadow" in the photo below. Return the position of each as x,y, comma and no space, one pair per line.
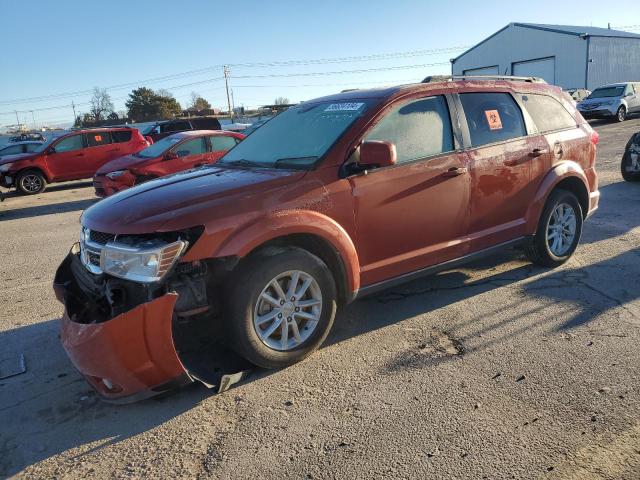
617,214
58,187
50,409
39,210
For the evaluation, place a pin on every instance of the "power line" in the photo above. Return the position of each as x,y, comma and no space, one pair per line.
361,58
272,75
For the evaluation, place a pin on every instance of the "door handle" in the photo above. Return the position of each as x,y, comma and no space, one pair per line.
536,152
455,171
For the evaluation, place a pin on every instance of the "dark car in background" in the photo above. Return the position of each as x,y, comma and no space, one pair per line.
165,128
18,148
73,156
178,152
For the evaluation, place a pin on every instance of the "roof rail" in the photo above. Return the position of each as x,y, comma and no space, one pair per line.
499,77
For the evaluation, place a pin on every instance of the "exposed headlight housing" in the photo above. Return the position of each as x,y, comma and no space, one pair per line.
146,265
5,168
116,174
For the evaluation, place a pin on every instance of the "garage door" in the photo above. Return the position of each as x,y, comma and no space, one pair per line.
541,67
482,71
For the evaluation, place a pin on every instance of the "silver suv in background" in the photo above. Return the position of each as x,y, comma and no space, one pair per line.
612,101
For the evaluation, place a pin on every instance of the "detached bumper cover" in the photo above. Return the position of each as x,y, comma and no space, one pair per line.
130,357
106,187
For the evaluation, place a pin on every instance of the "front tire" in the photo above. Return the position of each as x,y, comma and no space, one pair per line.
282,304
621,114
559,230
31,182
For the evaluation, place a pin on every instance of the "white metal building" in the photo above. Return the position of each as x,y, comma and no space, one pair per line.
570,57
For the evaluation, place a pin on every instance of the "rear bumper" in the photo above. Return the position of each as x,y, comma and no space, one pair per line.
127,358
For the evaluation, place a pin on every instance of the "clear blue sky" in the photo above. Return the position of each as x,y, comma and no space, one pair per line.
53,47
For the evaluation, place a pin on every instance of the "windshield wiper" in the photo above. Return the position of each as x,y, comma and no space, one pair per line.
295,163
242,163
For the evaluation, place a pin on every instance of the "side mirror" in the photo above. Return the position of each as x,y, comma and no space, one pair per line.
170,156
376,154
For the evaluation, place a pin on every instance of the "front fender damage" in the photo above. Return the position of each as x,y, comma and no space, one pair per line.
144,350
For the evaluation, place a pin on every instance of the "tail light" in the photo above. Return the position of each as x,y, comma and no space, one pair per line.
595,137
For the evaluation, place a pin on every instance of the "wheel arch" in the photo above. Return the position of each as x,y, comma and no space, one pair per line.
310,230
32,168
567,175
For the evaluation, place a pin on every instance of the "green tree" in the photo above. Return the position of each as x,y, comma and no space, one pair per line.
146,105
198,102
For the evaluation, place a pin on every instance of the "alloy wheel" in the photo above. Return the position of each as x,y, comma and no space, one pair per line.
561,229
288,310
31,183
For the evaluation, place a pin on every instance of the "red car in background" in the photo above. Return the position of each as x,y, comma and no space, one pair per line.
73,156
178,152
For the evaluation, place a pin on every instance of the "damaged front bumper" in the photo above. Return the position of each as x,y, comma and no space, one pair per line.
126,358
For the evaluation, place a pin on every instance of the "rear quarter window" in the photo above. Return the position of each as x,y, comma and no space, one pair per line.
121,136
547,113
492,117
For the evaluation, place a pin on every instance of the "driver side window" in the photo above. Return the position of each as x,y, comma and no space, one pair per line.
74,142
418,129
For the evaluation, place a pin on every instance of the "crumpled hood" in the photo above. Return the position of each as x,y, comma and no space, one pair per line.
14,158
184,200
124,163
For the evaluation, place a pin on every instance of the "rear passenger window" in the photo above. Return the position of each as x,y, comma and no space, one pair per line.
492,117
418,129
121,136
547,113
191,147
98,138
221,143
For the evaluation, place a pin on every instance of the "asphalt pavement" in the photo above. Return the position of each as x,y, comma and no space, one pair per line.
497,370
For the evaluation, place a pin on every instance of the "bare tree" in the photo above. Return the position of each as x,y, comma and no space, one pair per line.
281,101
163,92
100,105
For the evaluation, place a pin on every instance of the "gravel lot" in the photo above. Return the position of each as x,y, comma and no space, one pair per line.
498,370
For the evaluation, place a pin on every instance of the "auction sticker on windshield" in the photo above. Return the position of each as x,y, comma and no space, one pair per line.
344,107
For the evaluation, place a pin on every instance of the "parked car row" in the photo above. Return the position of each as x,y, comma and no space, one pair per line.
118,157
330,200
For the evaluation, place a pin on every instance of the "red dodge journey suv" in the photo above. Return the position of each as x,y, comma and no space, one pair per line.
73,156
331,200
180,151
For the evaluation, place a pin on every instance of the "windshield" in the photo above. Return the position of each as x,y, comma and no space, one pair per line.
607,92
297,137
158,148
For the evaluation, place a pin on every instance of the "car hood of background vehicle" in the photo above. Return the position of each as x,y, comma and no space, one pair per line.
589,101
123,163
185,199
14,158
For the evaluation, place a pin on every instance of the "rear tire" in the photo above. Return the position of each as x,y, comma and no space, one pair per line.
31,182
625,165
281,306
621,114
559,230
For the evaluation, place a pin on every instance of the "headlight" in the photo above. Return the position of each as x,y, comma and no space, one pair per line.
610,102
140,264
116,174
5,168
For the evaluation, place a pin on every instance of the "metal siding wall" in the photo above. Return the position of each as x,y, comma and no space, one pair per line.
517,44
613,60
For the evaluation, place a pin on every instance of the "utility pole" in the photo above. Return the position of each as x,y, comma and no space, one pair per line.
17,119
34,120
226,82
73,105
